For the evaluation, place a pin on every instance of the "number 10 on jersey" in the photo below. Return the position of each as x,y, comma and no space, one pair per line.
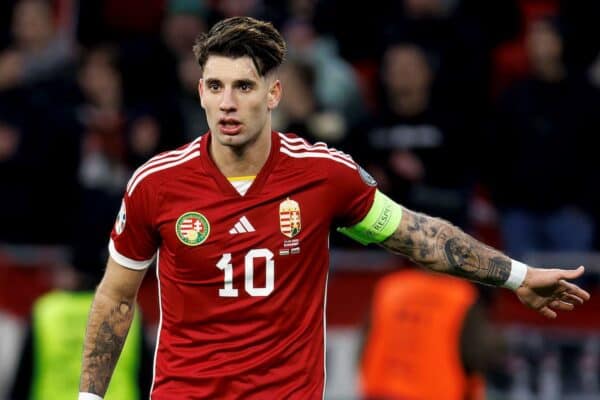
225,265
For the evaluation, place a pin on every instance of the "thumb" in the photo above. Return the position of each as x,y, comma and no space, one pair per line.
573,273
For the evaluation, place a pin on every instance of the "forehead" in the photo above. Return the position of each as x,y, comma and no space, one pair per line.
227,68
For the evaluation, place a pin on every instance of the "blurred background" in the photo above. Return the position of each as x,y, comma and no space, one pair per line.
481,112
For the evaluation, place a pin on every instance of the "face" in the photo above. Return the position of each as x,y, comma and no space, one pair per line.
406,70
544,43
32,23
237,100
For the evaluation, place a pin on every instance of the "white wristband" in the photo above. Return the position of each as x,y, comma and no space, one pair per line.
88,396
518,271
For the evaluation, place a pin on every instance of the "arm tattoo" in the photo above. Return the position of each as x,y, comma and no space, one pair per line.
440,246
105,336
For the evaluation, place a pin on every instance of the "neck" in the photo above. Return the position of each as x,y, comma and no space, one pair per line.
550,72
244,160
409,105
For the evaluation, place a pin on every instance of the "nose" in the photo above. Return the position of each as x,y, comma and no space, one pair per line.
227,101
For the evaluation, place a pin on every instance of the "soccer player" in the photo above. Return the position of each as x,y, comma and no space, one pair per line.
239,222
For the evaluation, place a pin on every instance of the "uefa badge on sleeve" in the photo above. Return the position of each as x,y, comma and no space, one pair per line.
121,218
366,177
192,228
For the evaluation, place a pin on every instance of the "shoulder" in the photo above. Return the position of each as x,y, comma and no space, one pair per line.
315,155
164,166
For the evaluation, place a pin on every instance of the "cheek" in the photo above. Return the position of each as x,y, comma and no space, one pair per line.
259,113
209,105
260,106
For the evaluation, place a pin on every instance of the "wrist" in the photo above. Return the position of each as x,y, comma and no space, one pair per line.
518,272
88,396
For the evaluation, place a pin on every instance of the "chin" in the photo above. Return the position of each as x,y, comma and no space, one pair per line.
234,141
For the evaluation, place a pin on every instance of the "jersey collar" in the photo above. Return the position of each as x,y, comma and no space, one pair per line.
223,183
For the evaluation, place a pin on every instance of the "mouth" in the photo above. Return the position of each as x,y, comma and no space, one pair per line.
230,126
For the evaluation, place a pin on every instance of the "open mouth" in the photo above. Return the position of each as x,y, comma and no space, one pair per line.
230,126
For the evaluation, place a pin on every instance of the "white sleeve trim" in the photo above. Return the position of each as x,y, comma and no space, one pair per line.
126,261
88,396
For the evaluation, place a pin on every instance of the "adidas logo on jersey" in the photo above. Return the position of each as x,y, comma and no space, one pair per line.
242,226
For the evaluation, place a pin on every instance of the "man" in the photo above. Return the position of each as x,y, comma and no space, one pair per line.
57,325
402,341
241,220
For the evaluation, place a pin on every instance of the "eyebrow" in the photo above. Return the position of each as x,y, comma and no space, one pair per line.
236,82
248,82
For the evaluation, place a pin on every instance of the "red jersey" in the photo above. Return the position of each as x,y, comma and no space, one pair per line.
242,279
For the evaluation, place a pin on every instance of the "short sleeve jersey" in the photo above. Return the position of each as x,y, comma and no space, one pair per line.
242,279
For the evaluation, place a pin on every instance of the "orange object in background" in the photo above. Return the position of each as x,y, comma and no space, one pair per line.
413,348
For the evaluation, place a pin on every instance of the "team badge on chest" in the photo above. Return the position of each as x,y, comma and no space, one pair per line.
289,218
192,228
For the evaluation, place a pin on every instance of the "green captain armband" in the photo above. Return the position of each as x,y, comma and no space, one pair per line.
380,223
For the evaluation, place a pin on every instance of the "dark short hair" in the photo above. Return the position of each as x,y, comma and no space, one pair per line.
243,36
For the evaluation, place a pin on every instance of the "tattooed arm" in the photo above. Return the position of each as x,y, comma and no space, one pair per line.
440,246
109,321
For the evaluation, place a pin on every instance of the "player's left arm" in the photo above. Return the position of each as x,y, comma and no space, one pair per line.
443,247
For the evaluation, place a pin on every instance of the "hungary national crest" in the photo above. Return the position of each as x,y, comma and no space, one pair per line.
289,218
192,228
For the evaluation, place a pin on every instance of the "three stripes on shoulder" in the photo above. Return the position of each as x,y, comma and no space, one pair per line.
293,147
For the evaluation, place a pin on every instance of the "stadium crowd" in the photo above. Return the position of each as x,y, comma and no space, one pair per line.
479,113
483,113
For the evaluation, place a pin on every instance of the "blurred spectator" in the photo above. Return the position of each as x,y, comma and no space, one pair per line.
536,157
39,141
414,148
510,60
457,48
336,84
103,115
39,51
50,362
300,111
117,138
194,117
428,337
185,20
119,135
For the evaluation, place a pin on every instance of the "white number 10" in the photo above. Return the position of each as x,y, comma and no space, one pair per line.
225,265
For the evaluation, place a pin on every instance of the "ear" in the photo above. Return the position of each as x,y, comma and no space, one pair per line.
274,95
201,91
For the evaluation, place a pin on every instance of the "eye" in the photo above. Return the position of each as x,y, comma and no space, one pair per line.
245,87
214,86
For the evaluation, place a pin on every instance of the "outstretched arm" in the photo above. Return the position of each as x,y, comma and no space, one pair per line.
440,246
109,321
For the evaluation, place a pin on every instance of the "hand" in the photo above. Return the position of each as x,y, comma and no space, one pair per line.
547,290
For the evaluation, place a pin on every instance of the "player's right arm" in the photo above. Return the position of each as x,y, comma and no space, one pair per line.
109,321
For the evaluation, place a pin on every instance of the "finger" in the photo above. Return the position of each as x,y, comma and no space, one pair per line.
560,305
574,289
547,312
571,298
573,273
